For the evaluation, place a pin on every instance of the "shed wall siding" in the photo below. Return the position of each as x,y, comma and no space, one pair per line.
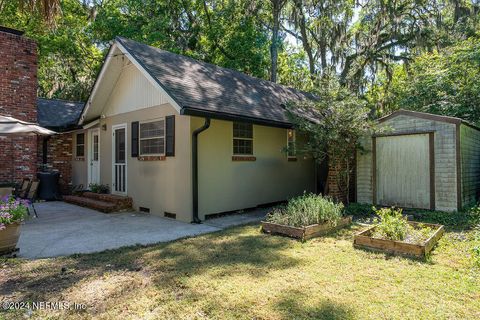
445,160
470,157
364,172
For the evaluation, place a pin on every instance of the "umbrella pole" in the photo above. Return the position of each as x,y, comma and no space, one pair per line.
13,160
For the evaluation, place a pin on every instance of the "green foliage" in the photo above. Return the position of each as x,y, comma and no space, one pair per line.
306,210
332,125
99,188
392,224
476,248
445,82
465,219
359,209
68,58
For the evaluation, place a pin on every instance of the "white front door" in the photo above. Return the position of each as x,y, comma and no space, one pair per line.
94,156
119,159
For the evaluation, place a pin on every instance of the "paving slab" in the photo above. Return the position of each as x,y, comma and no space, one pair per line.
64,229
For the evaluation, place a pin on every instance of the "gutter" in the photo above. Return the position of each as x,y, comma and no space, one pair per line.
189,111
195,134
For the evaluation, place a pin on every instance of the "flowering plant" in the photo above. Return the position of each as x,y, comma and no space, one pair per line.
12,211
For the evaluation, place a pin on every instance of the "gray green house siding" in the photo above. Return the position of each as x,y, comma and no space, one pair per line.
470,162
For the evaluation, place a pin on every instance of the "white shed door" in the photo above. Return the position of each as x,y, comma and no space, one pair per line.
403,171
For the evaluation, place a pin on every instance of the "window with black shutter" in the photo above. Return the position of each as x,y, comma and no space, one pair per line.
170,136
135,139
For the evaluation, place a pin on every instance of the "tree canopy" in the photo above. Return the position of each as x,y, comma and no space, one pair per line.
363,43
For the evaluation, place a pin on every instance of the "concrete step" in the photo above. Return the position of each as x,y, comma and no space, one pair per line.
121,202
94,204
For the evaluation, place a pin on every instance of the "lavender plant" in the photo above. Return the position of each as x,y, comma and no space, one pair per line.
12,211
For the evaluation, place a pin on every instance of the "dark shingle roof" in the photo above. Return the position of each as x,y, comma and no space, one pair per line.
206,88
58,114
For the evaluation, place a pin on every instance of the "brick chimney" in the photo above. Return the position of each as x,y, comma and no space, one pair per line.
18,98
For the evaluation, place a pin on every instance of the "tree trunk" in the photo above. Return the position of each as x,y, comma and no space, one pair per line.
303,31
276,12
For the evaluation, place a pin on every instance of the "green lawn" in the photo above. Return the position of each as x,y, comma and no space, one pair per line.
242,273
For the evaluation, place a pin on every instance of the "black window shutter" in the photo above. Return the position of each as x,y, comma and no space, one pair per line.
135,139
170,136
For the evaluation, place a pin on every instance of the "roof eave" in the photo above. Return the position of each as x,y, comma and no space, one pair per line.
233,117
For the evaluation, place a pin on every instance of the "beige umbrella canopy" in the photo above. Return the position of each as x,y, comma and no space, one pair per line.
12,126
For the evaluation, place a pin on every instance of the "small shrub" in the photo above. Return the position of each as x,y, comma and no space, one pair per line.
359,210
392,224
306,210
99,188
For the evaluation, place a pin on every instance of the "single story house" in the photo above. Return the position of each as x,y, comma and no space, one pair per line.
186,139
420,160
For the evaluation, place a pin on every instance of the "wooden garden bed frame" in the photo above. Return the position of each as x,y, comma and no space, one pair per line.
304,233
365,241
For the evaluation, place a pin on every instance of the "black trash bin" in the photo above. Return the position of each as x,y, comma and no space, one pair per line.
48,187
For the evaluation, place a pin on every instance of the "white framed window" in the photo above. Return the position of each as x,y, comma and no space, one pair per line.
291,144
152,137
80,145
242,138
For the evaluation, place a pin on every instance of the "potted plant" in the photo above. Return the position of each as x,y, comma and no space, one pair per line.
392,233
12,214
306,217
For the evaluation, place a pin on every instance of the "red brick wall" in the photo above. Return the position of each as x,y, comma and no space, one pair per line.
337,179
59,158
18,95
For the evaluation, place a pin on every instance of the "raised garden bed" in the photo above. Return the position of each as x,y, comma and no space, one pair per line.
365,240
305,233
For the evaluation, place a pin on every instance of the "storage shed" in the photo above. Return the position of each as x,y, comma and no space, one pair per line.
420,161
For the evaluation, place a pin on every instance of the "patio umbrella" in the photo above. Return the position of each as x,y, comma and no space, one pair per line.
11,126
14,127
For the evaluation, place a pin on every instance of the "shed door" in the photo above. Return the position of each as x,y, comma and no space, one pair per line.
403,171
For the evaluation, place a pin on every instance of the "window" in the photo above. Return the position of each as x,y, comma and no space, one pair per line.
80,146
95,147
242,138
291,144
152,137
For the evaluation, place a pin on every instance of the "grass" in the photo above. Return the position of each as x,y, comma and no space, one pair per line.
241,273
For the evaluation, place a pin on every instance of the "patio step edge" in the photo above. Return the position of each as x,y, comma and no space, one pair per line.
102,206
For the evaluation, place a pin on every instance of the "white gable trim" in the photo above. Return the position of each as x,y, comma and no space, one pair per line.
91,124
148,76
97,83
132,59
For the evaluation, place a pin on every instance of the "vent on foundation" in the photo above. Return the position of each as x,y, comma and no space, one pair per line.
143,209
169,215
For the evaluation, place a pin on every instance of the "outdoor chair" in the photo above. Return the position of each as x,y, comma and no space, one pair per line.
30,195
22,191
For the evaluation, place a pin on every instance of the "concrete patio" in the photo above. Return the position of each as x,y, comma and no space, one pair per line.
65,229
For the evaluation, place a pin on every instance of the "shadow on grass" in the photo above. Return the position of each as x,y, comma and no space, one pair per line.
293,306
229,252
